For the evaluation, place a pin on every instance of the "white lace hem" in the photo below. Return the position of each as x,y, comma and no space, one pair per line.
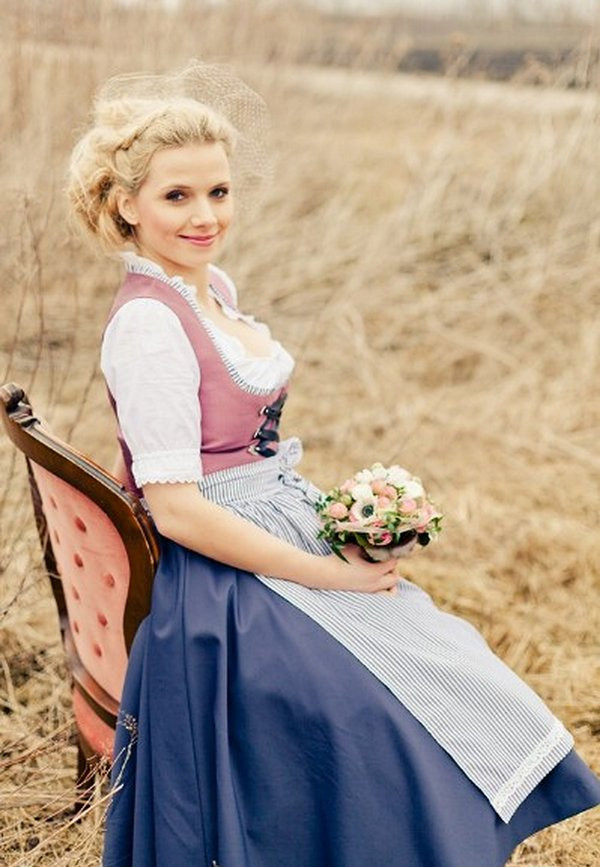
183,465
554,747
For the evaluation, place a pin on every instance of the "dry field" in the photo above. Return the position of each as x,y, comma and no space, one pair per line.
429,249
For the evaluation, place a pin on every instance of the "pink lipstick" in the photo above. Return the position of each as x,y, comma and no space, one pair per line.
199,240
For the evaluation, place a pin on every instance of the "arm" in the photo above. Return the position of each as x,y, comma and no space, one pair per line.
153,374
181,513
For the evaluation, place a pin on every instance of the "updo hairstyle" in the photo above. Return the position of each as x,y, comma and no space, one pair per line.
117,149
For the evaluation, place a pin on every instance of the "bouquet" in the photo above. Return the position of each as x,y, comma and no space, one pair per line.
379,508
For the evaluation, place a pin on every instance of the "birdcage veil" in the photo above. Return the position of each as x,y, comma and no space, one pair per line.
217,86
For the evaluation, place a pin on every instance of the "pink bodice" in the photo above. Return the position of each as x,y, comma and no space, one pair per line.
239,425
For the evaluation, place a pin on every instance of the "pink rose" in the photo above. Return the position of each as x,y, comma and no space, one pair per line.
337,510
423,519
382,539
383,502
407,504
378,486
390,491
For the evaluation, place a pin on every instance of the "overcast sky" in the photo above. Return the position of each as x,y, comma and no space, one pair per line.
535,8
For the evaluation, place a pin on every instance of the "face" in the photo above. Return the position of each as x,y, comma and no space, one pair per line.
183,209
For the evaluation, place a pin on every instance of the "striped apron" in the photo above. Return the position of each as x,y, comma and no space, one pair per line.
497,730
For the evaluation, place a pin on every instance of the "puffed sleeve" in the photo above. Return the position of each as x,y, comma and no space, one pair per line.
152,372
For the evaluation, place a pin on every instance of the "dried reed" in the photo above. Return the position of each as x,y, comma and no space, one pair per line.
429,252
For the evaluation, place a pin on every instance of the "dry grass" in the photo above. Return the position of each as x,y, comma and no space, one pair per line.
429,251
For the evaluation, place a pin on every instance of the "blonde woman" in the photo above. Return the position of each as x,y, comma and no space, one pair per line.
282,708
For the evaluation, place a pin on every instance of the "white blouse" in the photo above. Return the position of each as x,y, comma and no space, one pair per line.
152,372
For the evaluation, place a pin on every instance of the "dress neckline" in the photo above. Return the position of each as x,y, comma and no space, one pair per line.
142,265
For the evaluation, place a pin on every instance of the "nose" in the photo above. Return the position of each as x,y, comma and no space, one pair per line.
203,214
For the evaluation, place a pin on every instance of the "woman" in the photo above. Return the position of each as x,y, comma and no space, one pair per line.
281,706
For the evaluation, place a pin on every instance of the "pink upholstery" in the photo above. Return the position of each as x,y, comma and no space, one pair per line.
97,733
93,565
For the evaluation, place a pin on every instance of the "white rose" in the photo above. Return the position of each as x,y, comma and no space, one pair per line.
378,471
398,475
413,488
364,476
362,492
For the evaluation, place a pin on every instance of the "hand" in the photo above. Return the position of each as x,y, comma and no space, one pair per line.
358,574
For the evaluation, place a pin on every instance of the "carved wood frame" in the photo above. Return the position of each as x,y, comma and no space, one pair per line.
123,509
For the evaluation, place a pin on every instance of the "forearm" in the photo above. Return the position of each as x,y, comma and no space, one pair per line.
181,513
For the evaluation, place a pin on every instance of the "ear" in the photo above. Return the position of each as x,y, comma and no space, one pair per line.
126,205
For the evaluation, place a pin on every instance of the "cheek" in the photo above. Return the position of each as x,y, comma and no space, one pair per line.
227,216
161,223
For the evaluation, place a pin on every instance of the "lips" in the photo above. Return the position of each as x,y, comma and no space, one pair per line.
199,240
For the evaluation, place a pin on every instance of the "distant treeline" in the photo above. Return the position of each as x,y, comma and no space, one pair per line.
295,32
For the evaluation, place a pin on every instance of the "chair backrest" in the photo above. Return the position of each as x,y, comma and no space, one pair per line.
100,552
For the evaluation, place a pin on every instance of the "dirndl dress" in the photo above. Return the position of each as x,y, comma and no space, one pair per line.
265,724
250,737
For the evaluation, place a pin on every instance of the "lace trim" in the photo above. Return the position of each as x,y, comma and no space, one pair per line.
172,480
138,265
160,466
231,369
532,763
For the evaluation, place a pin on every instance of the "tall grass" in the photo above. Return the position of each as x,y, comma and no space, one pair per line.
429,252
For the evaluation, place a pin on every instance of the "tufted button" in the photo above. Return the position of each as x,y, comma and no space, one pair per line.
80,524
75,593
102,619
78,560
109,580
97,649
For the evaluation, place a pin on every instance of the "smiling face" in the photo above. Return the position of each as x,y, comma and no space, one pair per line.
183,209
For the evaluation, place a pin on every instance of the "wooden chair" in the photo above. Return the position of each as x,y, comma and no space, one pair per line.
100,553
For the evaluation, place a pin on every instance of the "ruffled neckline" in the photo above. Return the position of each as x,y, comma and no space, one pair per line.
259,373
137,264
141,265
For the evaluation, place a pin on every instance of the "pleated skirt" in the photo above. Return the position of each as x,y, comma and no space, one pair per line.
250,737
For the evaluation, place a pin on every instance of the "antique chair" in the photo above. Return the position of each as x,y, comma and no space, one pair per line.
100,553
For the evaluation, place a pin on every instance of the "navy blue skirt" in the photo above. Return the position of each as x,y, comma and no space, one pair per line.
260,741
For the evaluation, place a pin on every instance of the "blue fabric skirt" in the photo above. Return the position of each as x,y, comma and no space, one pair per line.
250,737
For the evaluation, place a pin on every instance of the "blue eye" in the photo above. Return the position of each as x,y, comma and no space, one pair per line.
220,192
174,196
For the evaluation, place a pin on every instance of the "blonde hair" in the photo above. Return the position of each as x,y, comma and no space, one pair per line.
117,149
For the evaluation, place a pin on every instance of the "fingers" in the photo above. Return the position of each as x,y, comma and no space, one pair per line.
387,582
392,568
380,577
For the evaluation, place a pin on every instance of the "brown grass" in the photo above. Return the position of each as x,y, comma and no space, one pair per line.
429,251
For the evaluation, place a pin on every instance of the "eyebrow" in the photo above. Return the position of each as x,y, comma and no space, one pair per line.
177,186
